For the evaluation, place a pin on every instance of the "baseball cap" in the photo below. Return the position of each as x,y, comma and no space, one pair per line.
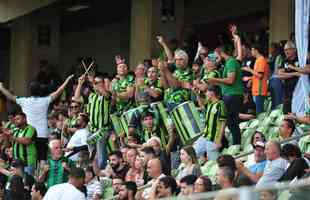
259,144
212,57
289,45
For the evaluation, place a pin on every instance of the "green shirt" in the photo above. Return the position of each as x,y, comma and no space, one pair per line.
156,131
210,74
232,65
98,108
155,85
216,115
179,95
26,153
119,87
11,126
57,174
71,121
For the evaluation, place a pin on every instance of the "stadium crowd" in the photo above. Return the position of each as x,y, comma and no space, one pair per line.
172,127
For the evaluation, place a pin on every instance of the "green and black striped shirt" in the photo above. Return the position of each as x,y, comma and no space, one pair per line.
98,109
26,153
216,115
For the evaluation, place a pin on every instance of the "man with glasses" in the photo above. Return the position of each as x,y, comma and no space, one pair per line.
71,121
78,141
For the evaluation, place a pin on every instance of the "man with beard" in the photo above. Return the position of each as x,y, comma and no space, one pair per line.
116,168
23,140
78,140
127,191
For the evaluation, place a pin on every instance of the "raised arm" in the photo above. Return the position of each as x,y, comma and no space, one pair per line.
7,93
237,44
58,92
166,48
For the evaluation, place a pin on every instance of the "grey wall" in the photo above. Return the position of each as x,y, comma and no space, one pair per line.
101,43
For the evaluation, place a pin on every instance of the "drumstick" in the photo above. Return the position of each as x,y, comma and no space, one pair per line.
84,65
87,70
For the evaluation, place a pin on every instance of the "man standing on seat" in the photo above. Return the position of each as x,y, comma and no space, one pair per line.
232,90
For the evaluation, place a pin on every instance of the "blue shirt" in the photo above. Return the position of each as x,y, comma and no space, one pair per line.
258,167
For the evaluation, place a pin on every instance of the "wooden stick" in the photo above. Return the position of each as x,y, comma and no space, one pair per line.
84,65
89,67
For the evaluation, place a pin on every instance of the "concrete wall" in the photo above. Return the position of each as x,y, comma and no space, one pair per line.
202,11
101,43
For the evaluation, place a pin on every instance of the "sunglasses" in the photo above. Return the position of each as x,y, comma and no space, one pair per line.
74,106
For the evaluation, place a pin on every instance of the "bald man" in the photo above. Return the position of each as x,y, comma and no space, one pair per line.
153,171
275,166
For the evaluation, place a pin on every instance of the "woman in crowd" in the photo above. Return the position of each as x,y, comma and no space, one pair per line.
297,165
202,184
189,163
139,172
165,188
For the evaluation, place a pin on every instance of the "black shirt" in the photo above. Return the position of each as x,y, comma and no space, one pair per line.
296,169
289,84
121,173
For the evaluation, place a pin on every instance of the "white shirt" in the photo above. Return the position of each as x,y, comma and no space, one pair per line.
35,109
146,192
79,138
64,191
273,171
93,187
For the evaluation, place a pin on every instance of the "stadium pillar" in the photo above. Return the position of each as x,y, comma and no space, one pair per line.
34,37
145,20
281,19
20,60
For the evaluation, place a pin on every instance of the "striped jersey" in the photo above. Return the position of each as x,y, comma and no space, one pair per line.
216,115
26,153
98,109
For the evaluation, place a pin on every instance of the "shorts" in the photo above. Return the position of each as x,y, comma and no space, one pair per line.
42,147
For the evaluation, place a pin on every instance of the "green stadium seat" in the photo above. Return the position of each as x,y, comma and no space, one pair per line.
254,123
244,125
273,133
209,169
284,195
267,105
279,120
304,144
232,150
246,137
275,114
261,116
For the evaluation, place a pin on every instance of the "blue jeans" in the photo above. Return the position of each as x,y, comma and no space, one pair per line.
233,104
29,170
259,102
276,92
